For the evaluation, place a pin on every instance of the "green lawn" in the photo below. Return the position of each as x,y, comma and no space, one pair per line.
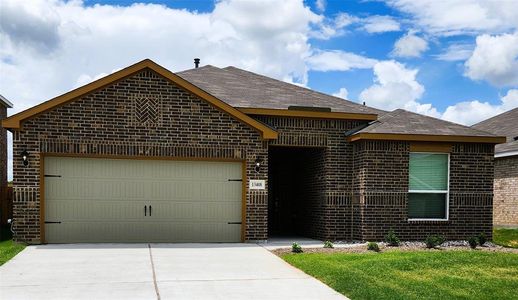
415,275
506,237
8,248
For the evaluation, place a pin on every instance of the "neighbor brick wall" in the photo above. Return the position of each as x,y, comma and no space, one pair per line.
3,148
143,115
505,204
381,169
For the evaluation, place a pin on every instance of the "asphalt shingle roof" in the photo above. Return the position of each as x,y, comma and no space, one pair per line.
401,121
244,89
505,124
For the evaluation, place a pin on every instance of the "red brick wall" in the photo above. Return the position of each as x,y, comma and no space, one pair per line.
505,204
111,121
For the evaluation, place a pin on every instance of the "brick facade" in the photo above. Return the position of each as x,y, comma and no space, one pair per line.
505,208
332,206
105,123
359,191
381,171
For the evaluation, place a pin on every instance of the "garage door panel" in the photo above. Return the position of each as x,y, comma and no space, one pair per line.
103,200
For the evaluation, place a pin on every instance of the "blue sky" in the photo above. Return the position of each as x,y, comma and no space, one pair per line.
444,80
456,59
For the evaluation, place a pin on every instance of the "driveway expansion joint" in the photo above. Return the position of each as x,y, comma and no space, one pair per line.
153,270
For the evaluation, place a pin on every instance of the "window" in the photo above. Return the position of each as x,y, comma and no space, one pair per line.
428,186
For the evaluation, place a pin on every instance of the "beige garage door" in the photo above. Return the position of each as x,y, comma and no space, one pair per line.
118,200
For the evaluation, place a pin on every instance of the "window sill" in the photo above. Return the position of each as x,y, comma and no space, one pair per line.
428,220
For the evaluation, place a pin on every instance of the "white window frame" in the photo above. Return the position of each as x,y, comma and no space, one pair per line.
447,191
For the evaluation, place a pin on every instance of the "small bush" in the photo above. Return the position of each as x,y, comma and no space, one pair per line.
482,239
328,244
433,241
373,246
392,239
296,248
473,242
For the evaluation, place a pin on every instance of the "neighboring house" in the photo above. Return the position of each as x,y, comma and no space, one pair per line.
505,203
226,155
4,105
5,207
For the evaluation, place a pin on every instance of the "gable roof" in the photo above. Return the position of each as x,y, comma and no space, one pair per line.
408,126
15,121
505,124
258,94
5,102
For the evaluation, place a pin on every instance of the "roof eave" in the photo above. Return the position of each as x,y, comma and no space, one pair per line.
506,154
6,102
14,122
426,138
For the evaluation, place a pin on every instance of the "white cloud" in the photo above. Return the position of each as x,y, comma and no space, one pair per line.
495,59
342,93
380,24
456,52
454,17
48,47
333,27
472,112
321,5
395,86
410,45
344,19
336,60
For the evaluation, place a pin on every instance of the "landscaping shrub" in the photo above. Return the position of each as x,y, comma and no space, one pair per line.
328,244
482,239
392,239
296,248
373,246
433,241
473,241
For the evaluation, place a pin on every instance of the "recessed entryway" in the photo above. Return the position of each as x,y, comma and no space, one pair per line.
134,200
296,185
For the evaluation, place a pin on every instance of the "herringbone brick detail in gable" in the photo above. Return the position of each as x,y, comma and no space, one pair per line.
146,110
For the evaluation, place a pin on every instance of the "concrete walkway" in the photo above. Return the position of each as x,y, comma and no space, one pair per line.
155,271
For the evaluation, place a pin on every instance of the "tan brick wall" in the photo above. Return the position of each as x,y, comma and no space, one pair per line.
505,205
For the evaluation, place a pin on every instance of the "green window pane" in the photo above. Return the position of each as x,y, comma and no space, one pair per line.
428,171
426,206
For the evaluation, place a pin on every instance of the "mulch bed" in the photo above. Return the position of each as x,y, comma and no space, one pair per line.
406,246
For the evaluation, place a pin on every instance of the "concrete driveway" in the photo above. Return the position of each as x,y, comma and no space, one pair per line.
155,271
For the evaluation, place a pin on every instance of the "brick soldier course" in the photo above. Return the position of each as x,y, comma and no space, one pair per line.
356,172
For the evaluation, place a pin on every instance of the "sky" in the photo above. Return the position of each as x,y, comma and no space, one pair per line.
451,59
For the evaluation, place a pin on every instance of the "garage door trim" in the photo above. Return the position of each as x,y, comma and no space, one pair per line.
43,155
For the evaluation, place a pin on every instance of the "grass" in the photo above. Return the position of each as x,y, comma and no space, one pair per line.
8,248
415,275
506,237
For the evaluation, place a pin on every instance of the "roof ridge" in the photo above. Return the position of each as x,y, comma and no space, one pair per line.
199,68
